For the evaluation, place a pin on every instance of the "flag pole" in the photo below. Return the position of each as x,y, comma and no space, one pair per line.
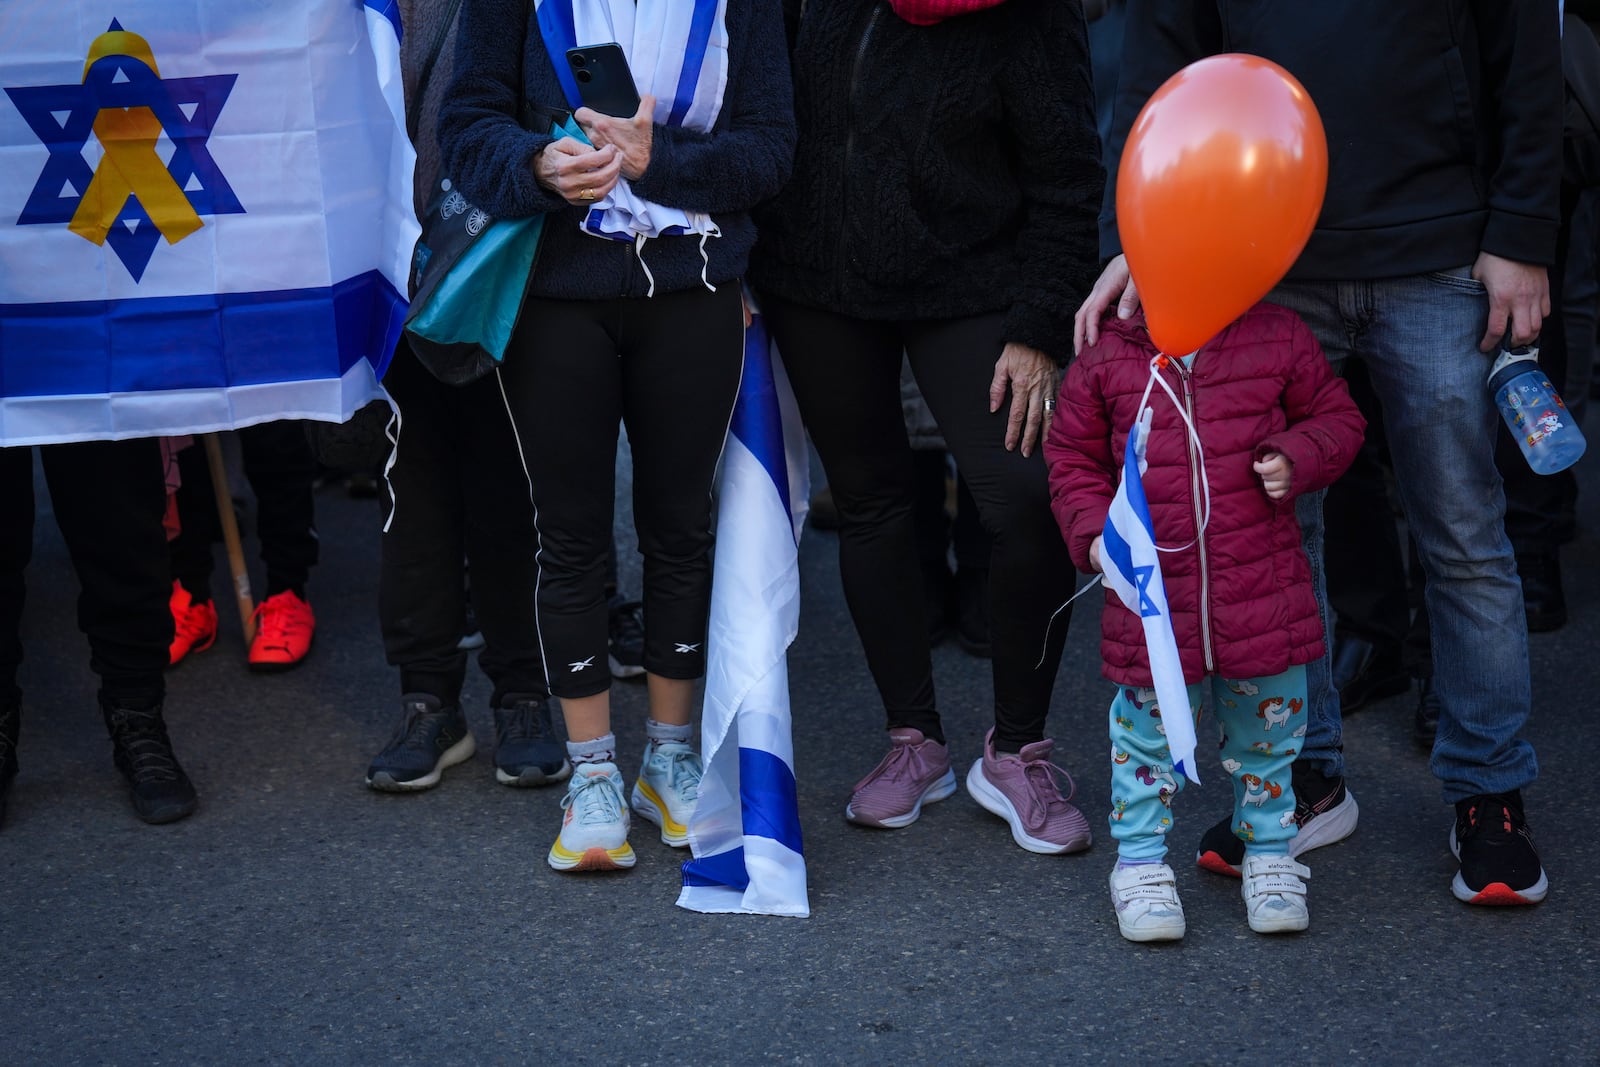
230,536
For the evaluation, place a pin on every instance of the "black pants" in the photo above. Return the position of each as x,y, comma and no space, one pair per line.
109,498
281,469
846,375
456,492
668,367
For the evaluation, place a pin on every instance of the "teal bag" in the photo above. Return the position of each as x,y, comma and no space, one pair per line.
469,277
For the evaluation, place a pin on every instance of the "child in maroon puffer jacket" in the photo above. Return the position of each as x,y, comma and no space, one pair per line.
1272,422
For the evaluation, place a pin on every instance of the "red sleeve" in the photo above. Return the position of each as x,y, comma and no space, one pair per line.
1325,428
1077,451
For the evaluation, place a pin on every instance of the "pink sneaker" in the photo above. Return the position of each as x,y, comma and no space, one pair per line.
1022,790
915,772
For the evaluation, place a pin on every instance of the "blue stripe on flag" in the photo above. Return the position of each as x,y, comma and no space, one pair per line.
768,808
723,869
197,342
1135,484
390,10
767,796
560,34
757,420
705,16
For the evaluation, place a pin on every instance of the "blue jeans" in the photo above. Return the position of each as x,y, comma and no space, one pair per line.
1418,337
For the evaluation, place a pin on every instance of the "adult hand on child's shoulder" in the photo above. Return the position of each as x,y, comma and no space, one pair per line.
1276,471
1115,285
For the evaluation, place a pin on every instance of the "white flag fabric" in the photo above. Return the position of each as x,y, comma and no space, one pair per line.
745,831
1133,571
205,213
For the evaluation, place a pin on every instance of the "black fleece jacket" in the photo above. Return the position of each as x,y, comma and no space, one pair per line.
941,171
501,64
1443,120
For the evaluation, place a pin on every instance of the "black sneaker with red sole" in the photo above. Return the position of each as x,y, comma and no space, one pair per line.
1499,864
1324,810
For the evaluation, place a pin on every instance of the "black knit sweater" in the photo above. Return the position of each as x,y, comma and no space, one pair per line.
941,171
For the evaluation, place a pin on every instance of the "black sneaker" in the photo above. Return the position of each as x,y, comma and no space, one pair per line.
1499,864
431,737
10,726
526,748
1324,810
626,651
140,748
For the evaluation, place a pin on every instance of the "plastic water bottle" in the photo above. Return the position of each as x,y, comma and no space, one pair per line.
1533,411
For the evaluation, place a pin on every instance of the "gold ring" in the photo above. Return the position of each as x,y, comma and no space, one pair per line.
587,194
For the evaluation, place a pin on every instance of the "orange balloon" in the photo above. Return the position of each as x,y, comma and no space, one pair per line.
1219,188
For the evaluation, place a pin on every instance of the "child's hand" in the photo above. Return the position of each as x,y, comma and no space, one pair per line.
1275,470
1094,555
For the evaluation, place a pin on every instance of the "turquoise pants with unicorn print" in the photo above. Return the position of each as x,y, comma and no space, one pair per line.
1261,722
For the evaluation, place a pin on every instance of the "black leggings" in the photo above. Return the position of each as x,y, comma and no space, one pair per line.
281,469
668,367
846,377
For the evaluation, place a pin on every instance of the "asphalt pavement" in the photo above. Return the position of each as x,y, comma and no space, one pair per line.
299,917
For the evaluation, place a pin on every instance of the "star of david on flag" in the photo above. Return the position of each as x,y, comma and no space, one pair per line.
206,216
133,197
1133,572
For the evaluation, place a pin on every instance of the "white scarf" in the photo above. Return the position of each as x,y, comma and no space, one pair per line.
678,52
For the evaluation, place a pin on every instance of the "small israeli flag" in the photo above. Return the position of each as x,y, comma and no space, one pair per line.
1133,571
745,831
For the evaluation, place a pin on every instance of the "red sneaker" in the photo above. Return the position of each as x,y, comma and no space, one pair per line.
194,626
284,628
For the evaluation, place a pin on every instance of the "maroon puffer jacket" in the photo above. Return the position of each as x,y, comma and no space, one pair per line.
1240,598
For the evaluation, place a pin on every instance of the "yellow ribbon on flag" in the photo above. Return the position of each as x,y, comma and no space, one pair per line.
130,166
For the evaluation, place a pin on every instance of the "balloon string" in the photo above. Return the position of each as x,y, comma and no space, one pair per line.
1194,436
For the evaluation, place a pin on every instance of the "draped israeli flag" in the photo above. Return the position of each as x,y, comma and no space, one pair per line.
205,213
745,831
1133,572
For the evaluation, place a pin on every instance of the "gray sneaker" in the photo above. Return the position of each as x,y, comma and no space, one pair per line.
526,749
915,772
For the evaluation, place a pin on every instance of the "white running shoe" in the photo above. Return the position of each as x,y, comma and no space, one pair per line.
667,788
594,831
1146,898
1275,894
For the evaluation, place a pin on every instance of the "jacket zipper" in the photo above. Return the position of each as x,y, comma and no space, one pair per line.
850,133
1195,492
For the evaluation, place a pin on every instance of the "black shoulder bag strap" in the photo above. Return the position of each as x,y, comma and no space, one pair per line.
425,73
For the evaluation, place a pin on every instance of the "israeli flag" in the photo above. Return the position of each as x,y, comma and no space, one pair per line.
1133,572
205,213
745,831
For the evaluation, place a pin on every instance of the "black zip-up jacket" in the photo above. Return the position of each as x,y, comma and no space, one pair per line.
941,171
1443,120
